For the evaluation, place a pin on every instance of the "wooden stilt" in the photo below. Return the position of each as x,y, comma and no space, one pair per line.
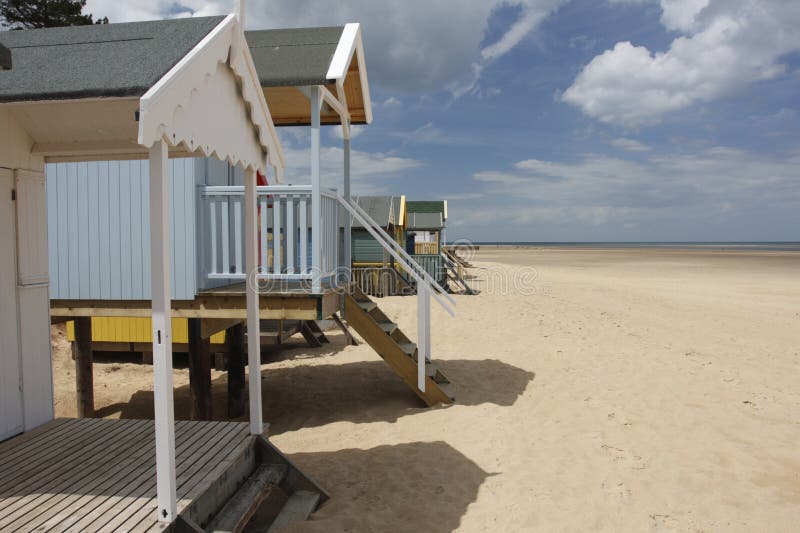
234,337
199,372
84,363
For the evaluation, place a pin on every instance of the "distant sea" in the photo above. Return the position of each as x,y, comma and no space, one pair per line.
778,246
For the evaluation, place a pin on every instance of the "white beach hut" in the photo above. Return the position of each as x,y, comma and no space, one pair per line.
141,90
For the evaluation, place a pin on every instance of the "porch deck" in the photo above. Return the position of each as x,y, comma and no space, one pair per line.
100,475
284,300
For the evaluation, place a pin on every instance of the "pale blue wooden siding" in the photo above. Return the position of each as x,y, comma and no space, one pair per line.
99,230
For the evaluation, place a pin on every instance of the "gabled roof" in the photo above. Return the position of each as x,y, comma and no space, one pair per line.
380,208
293,57
290,60
425,221
428,206
102,60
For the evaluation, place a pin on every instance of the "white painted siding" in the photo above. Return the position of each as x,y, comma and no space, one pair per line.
100,231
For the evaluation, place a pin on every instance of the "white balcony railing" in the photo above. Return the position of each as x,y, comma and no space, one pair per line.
285,221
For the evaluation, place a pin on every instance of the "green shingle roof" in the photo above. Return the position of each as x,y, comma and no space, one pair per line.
425,221
292,57
436,206
102,60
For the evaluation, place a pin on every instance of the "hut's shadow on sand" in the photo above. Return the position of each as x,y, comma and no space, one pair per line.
419,486
361,392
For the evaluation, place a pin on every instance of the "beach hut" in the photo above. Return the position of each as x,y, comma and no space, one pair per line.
374,270
156,91
426,224
101,266
430,219
150,90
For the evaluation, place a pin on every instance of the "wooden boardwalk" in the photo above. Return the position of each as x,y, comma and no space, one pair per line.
100,475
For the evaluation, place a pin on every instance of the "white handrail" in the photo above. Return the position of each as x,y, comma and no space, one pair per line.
369,225
238,190
386,239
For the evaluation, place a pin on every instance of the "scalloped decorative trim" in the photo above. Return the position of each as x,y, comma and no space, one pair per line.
211,101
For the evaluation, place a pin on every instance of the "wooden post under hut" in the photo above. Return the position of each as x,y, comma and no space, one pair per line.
199,371
84,367
234,338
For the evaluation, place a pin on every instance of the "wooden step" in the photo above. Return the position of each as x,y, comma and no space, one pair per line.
388,327
299,507
447,389
433,372
245,502
409,348
367,306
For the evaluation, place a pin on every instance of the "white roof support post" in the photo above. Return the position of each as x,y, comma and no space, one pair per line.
253,327
160,266
316,197
348,220
423,332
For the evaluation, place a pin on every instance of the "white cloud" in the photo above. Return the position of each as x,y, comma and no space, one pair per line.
370,171
631,145
355,131
392,103
727,44
597,189
416,45
681,14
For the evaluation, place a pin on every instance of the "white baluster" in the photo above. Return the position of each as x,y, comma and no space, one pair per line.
276,234
303,234
225,247
290,234
263,237
238,258
212,219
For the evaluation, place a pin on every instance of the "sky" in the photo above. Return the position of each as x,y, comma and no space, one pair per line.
564,120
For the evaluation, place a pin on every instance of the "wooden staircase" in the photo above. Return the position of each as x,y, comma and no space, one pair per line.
312,333
274,494
364,315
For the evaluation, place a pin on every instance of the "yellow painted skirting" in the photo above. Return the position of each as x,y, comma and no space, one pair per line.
108,329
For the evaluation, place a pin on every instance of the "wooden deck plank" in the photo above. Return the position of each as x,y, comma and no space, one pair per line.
38,506
291,307
142,487
41,471
23,449
99,475
82,503
13,443
187,472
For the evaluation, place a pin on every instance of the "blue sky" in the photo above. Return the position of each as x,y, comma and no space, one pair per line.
566,120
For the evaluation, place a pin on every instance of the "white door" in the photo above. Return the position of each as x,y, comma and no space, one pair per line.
33,298
11,410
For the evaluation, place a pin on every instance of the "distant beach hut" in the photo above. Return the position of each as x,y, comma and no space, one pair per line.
374,270
429,221
426,223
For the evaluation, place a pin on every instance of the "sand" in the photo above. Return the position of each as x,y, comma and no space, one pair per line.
622,390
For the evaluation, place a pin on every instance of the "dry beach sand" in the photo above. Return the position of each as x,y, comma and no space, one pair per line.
618,390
